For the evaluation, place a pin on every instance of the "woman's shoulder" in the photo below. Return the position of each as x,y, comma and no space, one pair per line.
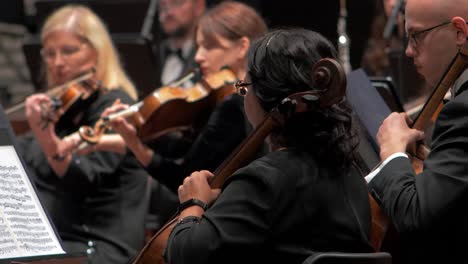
280,158
113,94
232,101
230,108
283,162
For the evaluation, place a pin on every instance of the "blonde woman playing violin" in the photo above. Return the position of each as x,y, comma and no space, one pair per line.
91,198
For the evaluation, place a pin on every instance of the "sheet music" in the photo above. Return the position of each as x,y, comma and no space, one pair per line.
25,229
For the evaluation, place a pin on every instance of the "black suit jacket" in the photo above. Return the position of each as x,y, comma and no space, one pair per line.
161,59
429,209
280,208
224,130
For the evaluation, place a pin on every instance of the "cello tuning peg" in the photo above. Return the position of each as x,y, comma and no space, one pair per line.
311,100
287,106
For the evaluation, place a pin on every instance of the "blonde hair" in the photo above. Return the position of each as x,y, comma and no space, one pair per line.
86,24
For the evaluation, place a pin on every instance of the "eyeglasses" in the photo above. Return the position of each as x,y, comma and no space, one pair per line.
65,51
241,87
416,37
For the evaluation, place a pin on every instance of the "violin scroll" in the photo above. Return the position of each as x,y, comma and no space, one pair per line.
92,135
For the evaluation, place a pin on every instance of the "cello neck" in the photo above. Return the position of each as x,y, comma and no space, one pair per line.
245,152
453,71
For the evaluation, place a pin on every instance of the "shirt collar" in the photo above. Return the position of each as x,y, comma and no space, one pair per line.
459,82
185,51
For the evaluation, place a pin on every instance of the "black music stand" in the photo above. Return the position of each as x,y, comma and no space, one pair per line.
387,90
135,52
77,258
370,109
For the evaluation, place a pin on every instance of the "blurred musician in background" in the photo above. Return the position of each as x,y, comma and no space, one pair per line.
223,36
176,51
385,56
95,201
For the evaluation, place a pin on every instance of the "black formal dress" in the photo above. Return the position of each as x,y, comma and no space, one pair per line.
99,205
429,209
223,132
279,209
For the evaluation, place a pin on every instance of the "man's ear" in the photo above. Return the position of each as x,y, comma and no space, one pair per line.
200,7
244,45
462,29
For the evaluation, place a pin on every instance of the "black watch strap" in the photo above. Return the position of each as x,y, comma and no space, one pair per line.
192,202
189,219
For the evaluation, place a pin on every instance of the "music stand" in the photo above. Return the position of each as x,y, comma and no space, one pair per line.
370,109
135,52
8,140
387,90
76,258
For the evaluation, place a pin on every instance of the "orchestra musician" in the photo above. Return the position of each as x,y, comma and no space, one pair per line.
95,201
223,37
427,208
303,196
176,50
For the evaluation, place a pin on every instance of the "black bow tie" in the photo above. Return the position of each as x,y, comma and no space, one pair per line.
177,52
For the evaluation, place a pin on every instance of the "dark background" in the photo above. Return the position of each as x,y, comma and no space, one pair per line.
126,19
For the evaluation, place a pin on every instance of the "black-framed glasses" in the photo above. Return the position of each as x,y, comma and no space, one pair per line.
416,37
241,87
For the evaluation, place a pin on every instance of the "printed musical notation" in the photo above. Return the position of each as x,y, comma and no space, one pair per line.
25,229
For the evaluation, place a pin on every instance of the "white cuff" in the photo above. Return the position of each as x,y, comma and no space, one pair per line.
372,174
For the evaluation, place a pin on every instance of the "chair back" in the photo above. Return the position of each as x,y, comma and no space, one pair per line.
349,258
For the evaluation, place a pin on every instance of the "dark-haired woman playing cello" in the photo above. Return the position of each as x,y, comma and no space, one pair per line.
95,201
300,198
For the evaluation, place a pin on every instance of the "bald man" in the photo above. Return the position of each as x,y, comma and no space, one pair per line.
430,209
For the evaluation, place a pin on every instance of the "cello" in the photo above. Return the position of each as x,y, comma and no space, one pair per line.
327,75
383,234
169,108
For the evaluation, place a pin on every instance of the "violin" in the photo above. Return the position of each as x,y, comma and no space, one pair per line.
65,95
169,108
328,76
383,233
